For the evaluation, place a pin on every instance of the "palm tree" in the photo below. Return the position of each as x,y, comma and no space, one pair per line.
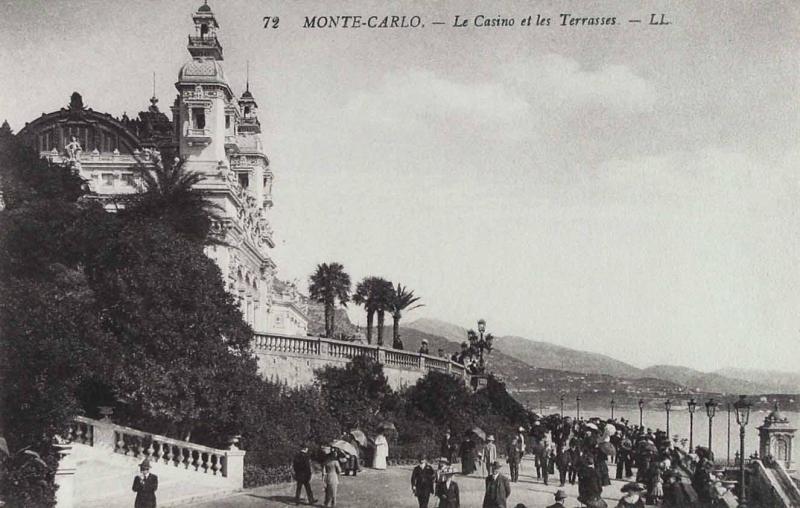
169,196
384,295
403,301
370,293
363,296
328,284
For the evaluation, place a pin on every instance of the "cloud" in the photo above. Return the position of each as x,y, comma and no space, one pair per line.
420,99
562,82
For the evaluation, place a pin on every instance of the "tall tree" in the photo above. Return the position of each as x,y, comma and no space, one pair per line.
367,294
384,294
328,284
403,300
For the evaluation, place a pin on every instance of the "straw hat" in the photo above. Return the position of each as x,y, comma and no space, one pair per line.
560,494
490,438
632,487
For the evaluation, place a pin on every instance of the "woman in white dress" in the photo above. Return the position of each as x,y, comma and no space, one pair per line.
381,452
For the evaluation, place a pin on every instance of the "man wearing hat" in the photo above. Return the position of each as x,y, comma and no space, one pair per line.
498,488
520,446
447,490
423,349
422,480
145,486
513,458
490,450
302,474
560,497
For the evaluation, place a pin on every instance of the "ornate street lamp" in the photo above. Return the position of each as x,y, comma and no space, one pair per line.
742,407
578,412
612,408
641,411
711,410
562,405
478,343
692,405
667,407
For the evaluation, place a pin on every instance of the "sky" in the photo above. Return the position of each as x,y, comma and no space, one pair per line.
629,190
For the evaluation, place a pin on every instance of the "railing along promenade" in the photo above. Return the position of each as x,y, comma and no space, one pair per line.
337,349
227,465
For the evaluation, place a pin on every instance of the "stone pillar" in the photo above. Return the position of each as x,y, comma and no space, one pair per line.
381,355
234,466
65,478
775,438
103,436
422,363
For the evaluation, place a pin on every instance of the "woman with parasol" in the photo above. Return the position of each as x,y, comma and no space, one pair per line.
382,446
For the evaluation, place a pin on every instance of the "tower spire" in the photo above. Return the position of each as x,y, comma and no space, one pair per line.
247,79
154,99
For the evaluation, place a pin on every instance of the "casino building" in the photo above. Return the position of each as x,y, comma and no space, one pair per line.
214,133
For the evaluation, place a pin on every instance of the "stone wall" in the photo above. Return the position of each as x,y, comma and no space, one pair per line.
293,360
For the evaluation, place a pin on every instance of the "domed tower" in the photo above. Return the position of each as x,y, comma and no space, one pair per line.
204,108
249,142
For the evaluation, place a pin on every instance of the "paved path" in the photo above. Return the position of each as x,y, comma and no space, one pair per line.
392,489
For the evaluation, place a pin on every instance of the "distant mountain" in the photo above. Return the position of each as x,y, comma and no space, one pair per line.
706,381
774,381
532,384
538,354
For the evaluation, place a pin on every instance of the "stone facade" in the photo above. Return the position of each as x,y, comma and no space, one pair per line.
214,133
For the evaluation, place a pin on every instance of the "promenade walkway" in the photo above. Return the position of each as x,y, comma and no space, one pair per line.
392,489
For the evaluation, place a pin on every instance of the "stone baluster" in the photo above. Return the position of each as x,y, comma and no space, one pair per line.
422,361
324,347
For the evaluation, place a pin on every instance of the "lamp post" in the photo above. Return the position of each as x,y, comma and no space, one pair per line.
729,432
711,410
562,405
612,408
667,407
742,407
641,411
578,410
692,405
540,407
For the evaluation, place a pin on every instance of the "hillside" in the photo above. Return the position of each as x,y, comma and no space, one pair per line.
538,354
774,381
316,322
529,383
704,381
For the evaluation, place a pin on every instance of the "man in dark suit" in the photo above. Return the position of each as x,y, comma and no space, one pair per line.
422,480
498,488
145,486
302,474
560,497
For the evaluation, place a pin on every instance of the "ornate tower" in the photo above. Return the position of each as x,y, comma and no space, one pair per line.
205,111
775,438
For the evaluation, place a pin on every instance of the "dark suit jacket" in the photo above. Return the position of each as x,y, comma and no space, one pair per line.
497,491
145,491
302,467
448,498
422,480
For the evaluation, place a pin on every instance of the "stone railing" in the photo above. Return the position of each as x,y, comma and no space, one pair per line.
227,465
337,349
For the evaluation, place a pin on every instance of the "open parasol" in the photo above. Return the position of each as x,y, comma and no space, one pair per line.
479,433
345,447
359,436
387,426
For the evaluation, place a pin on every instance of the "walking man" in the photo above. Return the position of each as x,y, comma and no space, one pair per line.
330,476
302,474
422,482
498,488
513,458
560,497
145,486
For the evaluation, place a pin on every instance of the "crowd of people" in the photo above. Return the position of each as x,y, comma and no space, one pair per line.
656,470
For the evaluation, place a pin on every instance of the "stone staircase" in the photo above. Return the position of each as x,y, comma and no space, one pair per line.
98,466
